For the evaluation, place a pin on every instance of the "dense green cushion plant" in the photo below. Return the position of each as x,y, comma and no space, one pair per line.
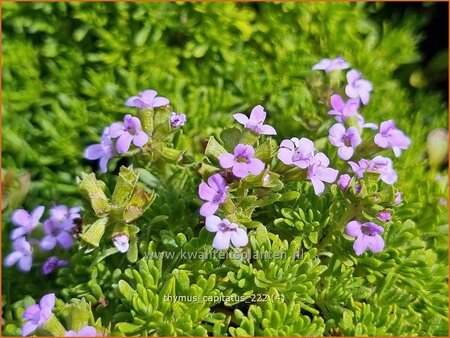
68,69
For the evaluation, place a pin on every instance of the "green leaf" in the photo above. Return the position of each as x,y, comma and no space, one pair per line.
128,328
265,150
124,186
126,290
172,155
94,232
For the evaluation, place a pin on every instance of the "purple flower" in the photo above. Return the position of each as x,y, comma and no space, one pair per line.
331,64
52,263
103,151
383,166
391,137
177,120
379,164
214,193
357,87
242,161
87,331
343,110
61,213
25,222
296,152
121,242
344,181
21,253
318,172
384,215
346,139
360,167
128,131
398,198
255,122
38,314
225,232
147,99
367,236
57,233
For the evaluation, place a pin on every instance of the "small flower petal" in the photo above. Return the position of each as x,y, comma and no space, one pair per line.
226,160
222,240
212,223
353,229
140,139
124,142
239,237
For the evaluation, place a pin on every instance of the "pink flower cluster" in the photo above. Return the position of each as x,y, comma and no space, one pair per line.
301,153
118,138
347,136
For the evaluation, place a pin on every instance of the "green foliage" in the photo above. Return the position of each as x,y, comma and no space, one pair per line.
69,67
277,319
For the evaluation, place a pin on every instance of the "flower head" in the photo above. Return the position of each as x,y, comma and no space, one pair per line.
384,215
177,120
128,131
57,233
379,164
214,193
147,99
360,167
103,151
357,87
37,315
21,254
318,172
121,242
255,122
331,64
367,236
296,152
398,198
345,139
25,222
383,166
87,331
242,161
344,181
225,232
392,137
343,110
52,263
